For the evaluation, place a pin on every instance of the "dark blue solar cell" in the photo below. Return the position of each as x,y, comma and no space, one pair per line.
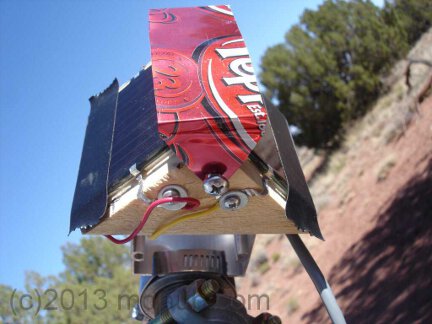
136,137
121,132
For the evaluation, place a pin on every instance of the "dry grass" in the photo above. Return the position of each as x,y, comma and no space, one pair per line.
275,257
385,167
382,126
264,267
292,305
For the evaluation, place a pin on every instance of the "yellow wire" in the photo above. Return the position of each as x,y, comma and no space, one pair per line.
165,227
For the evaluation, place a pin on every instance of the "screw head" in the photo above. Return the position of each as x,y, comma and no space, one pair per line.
233,200
172,191
215,185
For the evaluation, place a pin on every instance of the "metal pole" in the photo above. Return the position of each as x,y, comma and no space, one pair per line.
318,279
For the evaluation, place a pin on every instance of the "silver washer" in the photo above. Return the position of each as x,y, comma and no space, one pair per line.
173,191
233,200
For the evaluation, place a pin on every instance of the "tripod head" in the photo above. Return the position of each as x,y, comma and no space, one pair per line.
191,278
178,265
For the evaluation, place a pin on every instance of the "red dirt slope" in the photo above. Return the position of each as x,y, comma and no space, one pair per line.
375,202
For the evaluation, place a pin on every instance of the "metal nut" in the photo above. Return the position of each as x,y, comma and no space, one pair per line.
136,313
215,185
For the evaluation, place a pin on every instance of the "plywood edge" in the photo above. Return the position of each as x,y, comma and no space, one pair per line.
263,214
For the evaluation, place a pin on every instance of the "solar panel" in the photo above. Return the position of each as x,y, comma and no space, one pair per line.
121,132
136,139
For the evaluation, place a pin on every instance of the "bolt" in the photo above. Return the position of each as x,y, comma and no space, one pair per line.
204,295
209,288
232,202
164,317
215,185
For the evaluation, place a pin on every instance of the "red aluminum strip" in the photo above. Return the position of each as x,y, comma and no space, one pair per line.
209,108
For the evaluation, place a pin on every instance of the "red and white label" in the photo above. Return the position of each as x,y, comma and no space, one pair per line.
210,110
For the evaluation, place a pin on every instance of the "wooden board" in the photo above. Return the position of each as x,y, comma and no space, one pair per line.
263,214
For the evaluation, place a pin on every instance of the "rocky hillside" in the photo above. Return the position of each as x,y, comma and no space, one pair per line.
374,198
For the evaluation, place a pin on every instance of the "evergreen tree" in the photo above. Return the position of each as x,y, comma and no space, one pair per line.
413,17
328,70
97,286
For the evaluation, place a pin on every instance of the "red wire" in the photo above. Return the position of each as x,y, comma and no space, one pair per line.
191,204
